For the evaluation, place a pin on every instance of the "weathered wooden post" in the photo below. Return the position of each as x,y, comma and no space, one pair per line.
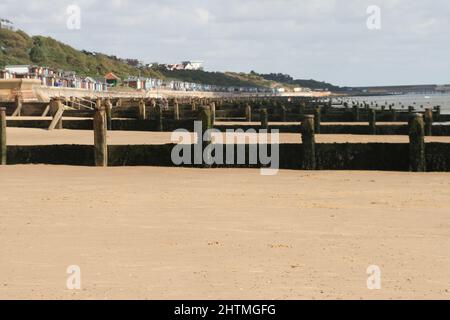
108,111
283,113
417,161
438,113
317,119
142,110
3,147
264,119
100,143
205,117
428,117
372,121
213,113
159,118
308,143
56,110
18,106
356,113
176,110
302,108
248,113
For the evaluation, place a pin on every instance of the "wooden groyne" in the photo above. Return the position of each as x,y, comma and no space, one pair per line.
285,114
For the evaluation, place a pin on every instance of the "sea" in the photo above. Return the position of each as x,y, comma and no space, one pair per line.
418,101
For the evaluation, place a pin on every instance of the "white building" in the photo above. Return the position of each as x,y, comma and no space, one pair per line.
193,65
18,69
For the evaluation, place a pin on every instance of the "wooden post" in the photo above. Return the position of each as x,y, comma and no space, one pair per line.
356,113
438,113
317,119
3,147
283,113
264,119
428,122
248,113
176,110
57,110
142,111
19,104
308,143
372,121
205,117
108,111
302,108
100,143
417,161
394,115
213,113
159,118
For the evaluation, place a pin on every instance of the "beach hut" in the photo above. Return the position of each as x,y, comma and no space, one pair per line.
111,79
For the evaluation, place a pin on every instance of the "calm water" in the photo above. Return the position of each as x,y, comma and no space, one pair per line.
415,100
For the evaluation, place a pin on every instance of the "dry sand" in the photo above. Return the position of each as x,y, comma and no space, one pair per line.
27,136
222,234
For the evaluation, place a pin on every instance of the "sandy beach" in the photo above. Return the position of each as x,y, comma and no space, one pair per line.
28,136
175,233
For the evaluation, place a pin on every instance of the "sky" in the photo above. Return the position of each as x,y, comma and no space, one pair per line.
345,42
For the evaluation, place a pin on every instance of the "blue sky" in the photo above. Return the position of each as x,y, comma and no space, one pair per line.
325,40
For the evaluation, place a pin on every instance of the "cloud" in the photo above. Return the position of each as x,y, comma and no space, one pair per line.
326,40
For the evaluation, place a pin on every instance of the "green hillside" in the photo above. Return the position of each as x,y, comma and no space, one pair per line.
16,47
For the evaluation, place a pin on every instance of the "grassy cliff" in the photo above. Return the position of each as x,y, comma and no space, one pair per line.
16,47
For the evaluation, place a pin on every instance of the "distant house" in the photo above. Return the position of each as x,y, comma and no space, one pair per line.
18,70
6,24
111,79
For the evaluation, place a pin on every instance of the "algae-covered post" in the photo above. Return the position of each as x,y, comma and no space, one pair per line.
100,143
308,143
264,119
417,143
3,148
317,119
372,121
428,122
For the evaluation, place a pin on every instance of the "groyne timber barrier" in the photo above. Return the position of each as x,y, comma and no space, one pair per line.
415,156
